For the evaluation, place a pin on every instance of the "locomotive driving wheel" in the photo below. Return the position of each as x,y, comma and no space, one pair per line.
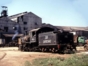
65,51
68,51
53,50
42,50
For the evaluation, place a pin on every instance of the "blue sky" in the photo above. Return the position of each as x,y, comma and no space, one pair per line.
55,12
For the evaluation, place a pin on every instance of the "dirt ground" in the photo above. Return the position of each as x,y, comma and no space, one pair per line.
13,57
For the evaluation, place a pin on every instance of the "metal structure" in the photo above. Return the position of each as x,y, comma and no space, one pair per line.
4,11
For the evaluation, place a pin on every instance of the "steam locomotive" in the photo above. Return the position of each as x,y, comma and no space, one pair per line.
47,39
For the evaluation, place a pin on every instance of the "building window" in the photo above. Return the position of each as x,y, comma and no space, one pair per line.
6,29
25,28
33,33
25,23
26,32
18,20
30,16
36,23
6,20
22,17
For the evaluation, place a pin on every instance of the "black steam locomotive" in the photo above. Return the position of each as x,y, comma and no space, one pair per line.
47,39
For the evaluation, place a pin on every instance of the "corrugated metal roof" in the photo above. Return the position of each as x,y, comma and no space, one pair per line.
17,15
20,14
71,28
64,28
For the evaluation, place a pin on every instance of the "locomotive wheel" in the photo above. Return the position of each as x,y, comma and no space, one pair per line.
20,47
42,50
74,50
47,49
67,51
53,50
23,48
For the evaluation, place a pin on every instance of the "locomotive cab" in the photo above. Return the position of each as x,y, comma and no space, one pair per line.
33,35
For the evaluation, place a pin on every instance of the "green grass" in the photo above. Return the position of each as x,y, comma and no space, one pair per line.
47,61
27,63
75,60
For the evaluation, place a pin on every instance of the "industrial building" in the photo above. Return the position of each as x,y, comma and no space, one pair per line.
14,26
83,31
27,21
